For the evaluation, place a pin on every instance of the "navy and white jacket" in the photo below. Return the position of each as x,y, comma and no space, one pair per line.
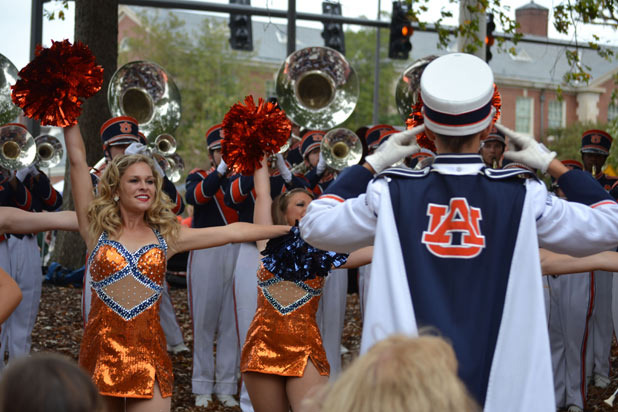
204,192
456,249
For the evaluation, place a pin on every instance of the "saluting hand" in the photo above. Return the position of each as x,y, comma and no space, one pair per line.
525,149
397,147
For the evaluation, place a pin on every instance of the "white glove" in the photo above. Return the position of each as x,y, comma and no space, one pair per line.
136,148
283,169
321,166
397,147
525,149
22,173
222,168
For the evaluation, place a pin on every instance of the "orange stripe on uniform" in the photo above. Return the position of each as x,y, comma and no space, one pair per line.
604,202
200,197
333,197
237,195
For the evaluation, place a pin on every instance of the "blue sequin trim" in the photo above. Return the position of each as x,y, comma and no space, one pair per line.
285,310
130,269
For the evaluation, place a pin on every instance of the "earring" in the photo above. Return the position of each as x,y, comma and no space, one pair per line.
116,198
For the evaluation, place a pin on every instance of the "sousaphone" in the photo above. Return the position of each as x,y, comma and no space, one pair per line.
145,91
17,147
317,88
407,90
8,77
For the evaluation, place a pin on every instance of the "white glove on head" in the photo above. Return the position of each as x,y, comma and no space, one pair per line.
222,168
320,168
398,146
525,149
136,148
283,169
22,173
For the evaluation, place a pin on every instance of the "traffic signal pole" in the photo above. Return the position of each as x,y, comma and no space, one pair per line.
291,26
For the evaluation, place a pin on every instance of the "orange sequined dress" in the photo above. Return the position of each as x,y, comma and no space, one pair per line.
124,347
284,332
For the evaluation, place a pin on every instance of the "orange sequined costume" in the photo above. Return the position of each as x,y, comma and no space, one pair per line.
123,346
284,332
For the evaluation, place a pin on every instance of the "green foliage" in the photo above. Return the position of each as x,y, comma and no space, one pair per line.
58,10
360,46
567,142
208,74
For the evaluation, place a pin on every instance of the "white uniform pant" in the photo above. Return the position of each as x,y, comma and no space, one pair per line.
600,325
331,315
21,259
169,323
245,301
363,285
210,275
570,305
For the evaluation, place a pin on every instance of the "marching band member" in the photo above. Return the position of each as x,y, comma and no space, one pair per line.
595,150
210,275
373,136
492,148
451,253
117,135
130,233
31,190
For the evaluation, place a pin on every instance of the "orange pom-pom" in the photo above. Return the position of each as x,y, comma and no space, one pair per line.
53,85
249,131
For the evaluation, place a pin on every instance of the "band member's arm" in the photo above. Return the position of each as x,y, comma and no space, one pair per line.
21,196
200,187
10,295
560,264
13,220
81,183
238,189
41,187
170,190
344,219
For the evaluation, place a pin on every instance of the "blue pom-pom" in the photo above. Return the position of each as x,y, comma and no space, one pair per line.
291,258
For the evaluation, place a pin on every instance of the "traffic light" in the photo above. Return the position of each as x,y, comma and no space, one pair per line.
333,32
401,30
241,35
489,36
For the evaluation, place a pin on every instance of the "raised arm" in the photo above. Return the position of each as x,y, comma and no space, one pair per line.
10,295
81,183
358,258
263,202
560,264
13,220
191,238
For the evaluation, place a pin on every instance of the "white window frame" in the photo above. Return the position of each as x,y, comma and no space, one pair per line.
612,108
562,113
530,131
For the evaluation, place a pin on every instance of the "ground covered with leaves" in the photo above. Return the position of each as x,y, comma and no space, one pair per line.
59,329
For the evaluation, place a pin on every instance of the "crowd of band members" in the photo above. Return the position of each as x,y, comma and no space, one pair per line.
222,305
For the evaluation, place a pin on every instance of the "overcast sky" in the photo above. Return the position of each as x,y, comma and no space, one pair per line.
15,21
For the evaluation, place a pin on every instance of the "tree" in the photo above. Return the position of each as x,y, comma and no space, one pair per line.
209,75
96,25
360,47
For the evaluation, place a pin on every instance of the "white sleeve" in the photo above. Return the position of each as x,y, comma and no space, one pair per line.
573,228
343,226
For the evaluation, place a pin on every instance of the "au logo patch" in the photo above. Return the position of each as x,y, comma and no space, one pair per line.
447,221
125,127
595,139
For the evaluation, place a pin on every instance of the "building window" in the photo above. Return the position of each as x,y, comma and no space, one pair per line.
523,115
612,112
555,114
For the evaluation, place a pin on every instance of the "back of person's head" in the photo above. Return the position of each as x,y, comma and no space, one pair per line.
47,383
400,374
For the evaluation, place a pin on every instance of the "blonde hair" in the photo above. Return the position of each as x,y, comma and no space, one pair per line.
104,212
399,374
281,202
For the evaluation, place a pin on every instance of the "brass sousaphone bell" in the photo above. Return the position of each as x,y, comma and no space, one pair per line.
317,88
17,147
341,148
145,91
8,76
49,151
407,90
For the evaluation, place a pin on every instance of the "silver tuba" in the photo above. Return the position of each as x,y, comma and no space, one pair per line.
317,88
341,148
409,86
173,167
165,144
49,151
17,147
8,76
145,91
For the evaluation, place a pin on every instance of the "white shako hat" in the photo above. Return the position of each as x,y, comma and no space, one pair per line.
457,90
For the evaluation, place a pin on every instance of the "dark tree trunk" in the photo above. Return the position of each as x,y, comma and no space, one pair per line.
96,25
